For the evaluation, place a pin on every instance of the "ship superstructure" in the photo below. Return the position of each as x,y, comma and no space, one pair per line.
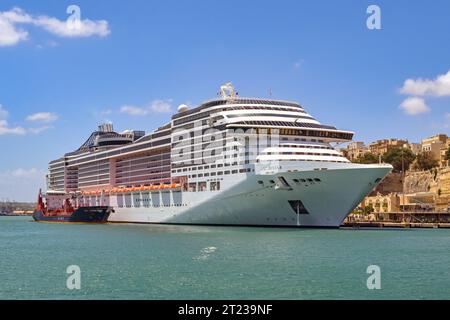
229,161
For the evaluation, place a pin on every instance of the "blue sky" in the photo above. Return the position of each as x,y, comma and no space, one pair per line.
55,88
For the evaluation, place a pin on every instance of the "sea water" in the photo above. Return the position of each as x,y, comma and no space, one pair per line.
119,261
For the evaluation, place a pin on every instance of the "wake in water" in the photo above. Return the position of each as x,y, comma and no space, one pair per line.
205,253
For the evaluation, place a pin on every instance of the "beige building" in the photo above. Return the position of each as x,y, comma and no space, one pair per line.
355,150
414,147
443,159
437,145
383,203
380,147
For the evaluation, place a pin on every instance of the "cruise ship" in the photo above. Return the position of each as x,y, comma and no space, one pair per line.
229,161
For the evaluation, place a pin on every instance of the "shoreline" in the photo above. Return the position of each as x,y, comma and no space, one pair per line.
399,225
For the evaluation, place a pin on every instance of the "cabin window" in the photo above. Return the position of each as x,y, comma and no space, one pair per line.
192,187
202,186
215,186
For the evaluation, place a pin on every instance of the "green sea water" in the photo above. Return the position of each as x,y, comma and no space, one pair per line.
192,262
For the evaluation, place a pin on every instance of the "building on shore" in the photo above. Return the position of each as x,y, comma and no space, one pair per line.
380,147
383,203
415,148
437,146
355,150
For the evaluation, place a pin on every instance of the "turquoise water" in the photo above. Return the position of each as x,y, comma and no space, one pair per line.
190,262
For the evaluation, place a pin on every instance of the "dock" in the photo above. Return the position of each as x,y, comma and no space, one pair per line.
395,225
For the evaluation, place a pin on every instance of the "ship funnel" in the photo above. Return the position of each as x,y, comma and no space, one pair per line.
106,127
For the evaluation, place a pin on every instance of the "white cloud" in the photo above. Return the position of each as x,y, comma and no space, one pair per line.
39,129
5,129
161,106
45,117
21,184
414,106
157,106
87,28
133,111
438,87
11,34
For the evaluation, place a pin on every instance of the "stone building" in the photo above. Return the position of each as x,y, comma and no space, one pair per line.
383,203
380,147
415,148
437,146
355,150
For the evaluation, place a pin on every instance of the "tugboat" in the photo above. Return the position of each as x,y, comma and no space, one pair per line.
67,213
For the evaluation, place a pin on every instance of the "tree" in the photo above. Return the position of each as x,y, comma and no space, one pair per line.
366,158
447,154
425,161
368,209
399,158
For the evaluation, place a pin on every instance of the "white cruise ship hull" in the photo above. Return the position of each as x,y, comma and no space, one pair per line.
331,193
